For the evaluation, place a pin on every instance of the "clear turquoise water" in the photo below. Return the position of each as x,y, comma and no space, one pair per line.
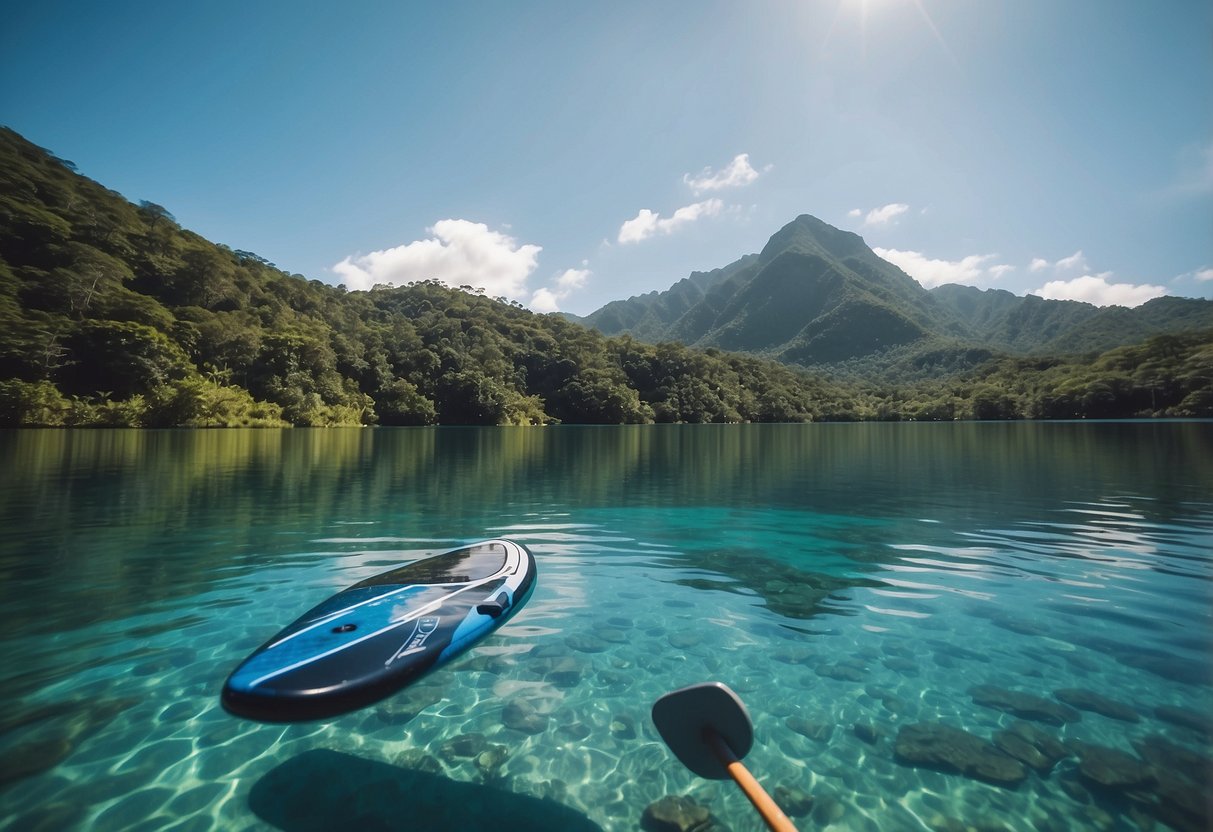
833,575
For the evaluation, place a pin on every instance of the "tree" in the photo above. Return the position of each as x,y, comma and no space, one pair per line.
32,404
400,403
122,357
599,396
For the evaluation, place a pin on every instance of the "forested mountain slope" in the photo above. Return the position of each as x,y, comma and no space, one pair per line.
819,297
111,314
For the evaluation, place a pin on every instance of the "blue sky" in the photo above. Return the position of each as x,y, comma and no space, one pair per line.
569,154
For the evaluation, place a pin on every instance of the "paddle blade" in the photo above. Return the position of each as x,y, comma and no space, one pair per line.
682,716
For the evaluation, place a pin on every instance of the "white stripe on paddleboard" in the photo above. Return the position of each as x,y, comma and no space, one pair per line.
428,608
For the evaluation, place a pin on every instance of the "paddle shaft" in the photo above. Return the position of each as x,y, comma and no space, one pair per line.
770,811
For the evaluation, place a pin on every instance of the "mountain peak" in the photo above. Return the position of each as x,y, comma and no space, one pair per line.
818,295
808,235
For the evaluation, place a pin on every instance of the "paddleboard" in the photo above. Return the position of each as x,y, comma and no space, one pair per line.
373,639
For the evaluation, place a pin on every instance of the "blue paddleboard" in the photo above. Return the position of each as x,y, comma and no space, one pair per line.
369,641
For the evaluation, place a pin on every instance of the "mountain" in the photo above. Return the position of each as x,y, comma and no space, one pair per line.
813,295
1031,325
647,317
819,296
111,314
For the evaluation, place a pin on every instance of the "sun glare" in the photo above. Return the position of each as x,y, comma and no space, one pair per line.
862,11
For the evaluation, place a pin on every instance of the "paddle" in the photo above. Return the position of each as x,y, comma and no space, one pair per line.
709,730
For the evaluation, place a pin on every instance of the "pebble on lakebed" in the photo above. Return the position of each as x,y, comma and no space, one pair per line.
674,813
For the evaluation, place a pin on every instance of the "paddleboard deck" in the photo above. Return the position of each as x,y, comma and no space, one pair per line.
380,635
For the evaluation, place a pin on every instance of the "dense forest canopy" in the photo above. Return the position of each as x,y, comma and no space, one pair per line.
111,314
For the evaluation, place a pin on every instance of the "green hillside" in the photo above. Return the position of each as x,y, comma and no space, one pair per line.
820,298
111,314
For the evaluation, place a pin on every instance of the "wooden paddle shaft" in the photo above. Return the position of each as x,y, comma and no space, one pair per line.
770,811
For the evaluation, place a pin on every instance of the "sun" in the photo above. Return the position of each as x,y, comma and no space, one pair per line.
868,10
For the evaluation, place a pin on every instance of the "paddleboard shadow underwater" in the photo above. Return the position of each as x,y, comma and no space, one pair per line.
380,635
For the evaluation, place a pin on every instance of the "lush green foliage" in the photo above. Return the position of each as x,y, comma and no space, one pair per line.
111,314
1167,376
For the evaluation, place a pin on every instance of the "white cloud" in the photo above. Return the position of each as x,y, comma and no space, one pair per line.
571,279
647,224
737,174
970,271
460,253
885,214
855,213
544,300
568,281
1097,289
1075,262
1204,274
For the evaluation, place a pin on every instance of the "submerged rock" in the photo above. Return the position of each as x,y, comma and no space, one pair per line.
550,650
1184,805
1089,700
616,679
418,760
1185,718
1182,776
1107,768
614,635
893,704
1152,660
521,715
462,746
586,643
673,813
1164,754
1008,742
37,739
1031,746
816,731
1023,705
843,672
489,761
898,648
1041,740
562,672
793,655
902,665
828,809
949,749
623,727
795,802
574,731
867,732
683,639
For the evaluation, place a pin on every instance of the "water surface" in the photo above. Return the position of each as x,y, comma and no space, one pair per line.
849,581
